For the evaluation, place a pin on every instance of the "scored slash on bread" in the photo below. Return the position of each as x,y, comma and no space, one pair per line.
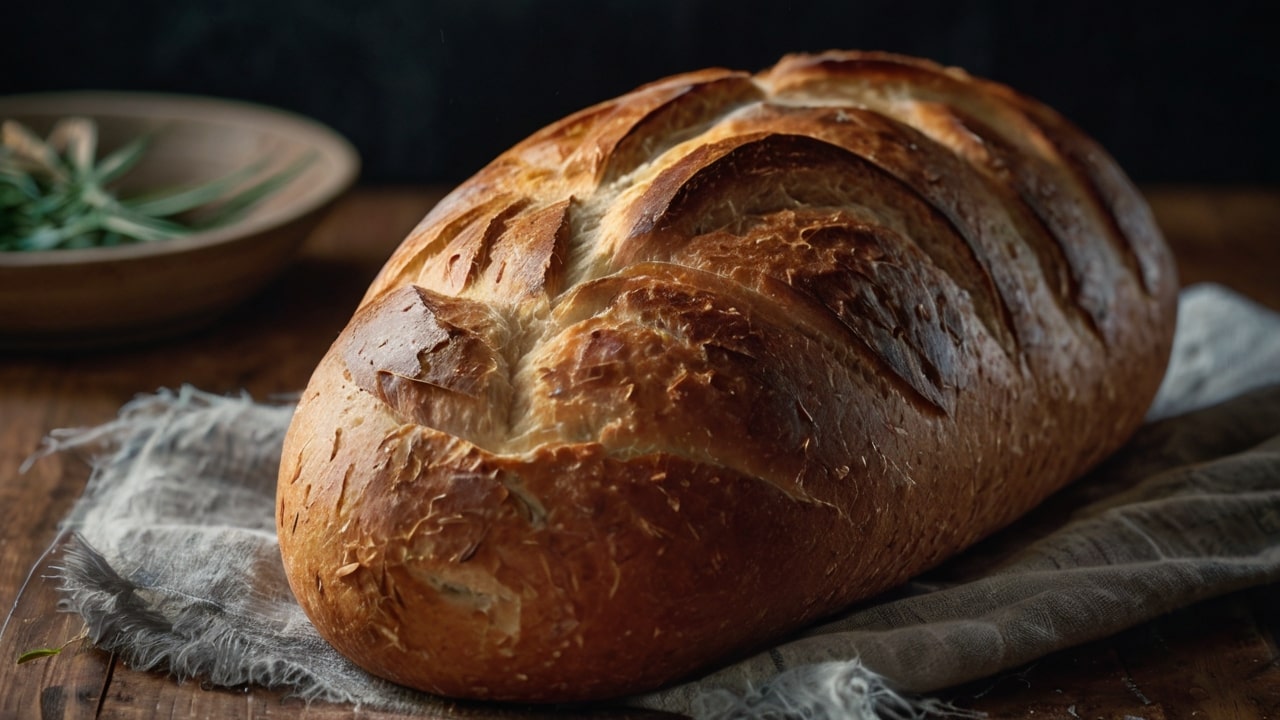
702,364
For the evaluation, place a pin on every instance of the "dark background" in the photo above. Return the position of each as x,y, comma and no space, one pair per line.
430,91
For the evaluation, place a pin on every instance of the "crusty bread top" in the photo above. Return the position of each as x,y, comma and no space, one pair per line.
712,359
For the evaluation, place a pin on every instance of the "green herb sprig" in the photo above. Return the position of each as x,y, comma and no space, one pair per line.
55,194
48,652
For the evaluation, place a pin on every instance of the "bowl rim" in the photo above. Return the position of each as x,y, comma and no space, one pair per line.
133,104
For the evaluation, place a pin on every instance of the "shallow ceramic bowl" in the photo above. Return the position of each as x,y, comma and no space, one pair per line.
120,295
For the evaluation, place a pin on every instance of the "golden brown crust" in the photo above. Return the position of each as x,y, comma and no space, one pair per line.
698,365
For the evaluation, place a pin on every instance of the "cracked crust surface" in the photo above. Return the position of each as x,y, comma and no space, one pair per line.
699,365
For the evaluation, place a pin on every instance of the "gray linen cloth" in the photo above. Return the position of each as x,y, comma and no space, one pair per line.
175,564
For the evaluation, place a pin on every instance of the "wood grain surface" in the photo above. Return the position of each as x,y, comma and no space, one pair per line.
1218,659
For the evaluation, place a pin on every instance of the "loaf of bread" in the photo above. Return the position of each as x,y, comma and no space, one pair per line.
699,365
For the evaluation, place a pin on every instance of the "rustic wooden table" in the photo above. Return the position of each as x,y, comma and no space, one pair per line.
1218,659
